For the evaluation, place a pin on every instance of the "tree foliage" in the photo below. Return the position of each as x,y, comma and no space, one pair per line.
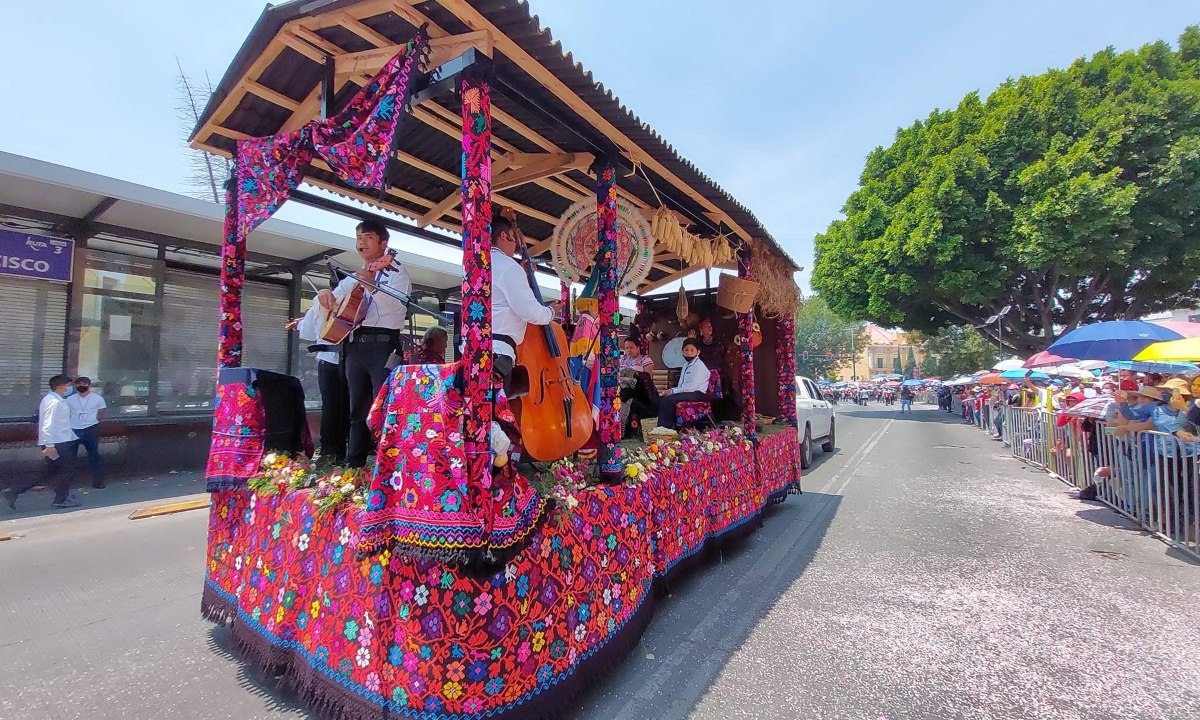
956,350
821,332
1073,195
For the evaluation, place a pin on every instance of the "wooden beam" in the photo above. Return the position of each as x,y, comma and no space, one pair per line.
526,170
416,18
428,167
475,20
443,50
309,109
356,26
226,132
271,96
302,47
437,211
312,38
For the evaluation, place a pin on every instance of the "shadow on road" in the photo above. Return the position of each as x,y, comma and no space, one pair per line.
709,613
261,685
926,414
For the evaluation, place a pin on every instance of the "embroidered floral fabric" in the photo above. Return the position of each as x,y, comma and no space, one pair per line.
610,348
687,413
420,502
785,367
778,463
745,330
238,437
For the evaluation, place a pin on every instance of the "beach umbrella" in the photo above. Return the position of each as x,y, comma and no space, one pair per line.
1010,364
993,379
1183,327
1177,351
1155,366
1046,359
1022,374
1069,371
1112,340
1096,408
912,383
892,383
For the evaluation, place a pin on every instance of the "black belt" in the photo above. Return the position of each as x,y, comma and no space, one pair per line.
506,339
370,334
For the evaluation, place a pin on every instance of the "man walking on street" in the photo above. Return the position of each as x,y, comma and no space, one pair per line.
85,407
56,440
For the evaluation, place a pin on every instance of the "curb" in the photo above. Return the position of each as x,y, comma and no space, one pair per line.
170,509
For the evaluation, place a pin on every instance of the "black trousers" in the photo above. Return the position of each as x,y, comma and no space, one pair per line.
89,439
667,404
366,371
335,411
56,474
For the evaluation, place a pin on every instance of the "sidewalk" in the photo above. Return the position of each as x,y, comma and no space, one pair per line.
145,490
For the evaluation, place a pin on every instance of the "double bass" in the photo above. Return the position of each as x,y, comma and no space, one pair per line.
555,418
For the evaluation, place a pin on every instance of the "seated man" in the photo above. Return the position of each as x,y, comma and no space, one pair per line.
693,384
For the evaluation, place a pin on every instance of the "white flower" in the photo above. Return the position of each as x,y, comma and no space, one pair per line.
344,537
580,632
347,488
270,459
237,563
363,657
303,542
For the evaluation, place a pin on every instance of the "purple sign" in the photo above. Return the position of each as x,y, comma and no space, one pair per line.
36,256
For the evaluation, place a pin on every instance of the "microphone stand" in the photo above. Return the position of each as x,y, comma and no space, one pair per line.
411,304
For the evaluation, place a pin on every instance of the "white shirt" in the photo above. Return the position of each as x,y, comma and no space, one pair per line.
693,377
309,328
85,409
513,304
383,311
54,421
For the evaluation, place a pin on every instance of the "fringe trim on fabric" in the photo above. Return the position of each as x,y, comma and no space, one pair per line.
215,608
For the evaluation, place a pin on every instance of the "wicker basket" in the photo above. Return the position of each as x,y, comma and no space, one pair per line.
736,294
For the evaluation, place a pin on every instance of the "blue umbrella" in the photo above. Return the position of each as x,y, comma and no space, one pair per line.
1154,366
912,383
1112,340
1022,374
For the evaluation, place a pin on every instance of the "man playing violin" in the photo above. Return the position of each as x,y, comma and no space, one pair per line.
514,306
369,347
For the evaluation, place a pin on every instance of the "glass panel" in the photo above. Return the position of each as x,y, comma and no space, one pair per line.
32,353
118,329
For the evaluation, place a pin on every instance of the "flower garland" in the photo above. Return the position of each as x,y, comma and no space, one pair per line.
333,487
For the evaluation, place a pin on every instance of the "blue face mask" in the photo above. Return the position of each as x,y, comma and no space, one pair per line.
70,391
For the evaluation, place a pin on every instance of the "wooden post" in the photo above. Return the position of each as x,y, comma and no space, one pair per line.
785,349
476,310
745,330
606,296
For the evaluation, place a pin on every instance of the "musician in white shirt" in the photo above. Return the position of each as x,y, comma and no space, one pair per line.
370,346
335,410
692,385
514,306
85,406
56,440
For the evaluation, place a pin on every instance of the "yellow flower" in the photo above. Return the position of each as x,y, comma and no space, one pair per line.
452,690
631,471
315,610
279,614
539,641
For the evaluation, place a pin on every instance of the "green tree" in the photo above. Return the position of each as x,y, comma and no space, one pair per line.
1070,195
826,337
910,362
956,350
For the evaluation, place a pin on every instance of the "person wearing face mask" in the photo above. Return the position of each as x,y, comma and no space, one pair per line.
692,385
55,439
85,406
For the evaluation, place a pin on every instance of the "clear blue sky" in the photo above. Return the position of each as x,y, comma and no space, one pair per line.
778,101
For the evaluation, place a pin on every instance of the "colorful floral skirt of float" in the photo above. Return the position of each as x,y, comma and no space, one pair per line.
365,635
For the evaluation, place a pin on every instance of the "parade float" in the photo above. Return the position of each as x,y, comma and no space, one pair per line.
443,580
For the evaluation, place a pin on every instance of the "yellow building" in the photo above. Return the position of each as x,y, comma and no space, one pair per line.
885,352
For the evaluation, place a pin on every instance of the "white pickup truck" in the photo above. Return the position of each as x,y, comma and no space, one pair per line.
815,420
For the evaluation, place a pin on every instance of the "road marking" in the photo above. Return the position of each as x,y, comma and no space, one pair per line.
169,509
855,460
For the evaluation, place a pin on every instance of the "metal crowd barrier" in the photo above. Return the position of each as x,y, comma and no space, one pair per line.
1153,478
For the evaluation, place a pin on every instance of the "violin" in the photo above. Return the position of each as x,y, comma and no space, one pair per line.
555,418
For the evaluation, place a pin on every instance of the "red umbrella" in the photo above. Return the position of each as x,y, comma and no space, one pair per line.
1046,358
992,379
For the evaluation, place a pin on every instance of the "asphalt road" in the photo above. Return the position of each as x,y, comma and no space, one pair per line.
923,574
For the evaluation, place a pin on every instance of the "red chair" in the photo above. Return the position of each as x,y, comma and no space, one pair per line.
691,414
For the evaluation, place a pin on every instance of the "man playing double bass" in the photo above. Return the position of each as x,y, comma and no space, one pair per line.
369,347
514,306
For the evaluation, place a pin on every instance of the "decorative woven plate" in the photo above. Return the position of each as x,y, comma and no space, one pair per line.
575,241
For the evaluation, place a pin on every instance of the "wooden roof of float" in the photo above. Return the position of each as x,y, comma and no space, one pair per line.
550,117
